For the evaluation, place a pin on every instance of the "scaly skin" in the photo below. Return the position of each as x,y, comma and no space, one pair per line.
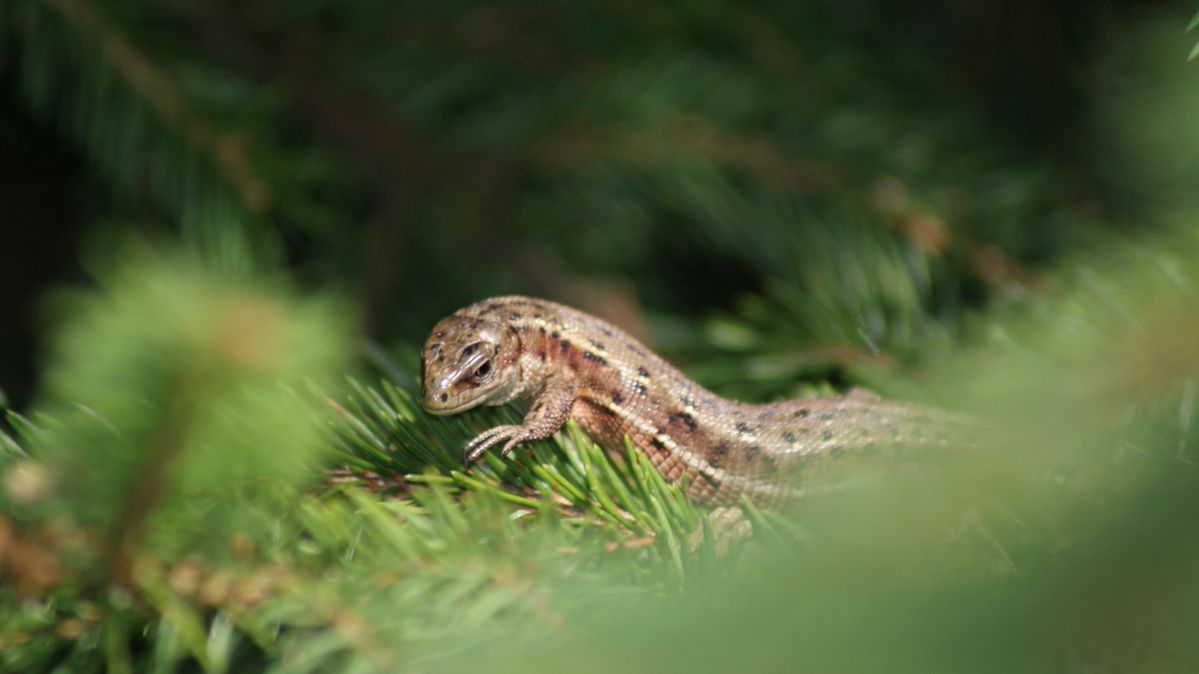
576,366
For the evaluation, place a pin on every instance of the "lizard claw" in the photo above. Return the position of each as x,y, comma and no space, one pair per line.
485,440
510,445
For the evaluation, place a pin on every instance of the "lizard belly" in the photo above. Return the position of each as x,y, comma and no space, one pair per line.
609,430
677,449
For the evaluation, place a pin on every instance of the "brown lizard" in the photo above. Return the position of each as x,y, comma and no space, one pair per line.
575,366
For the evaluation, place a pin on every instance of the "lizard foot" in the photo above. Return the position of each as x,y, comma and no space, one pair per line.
513,433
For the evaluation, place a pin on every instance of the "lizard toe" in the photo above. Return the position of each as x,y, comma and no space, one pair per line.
510,445
485,440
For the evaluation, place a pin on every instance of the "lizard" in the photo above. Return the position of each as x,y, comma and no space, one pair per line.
572,365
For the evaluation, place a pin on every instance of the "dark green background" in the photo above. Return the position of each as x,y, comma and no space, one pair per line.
683,159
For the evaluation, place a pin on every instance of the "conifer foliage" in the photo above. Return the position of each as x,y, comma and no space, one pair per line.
224,467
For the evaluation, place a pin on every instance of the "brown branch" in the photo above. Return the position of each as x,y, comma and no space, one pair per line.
227,152
689,138
930,232
368,134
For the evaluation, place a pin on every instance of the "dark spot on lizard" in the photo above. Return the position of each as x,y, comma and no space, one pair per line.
598,346
826,436
514,316
599,360
766,415
684,419
639,388
617,398
634,349
541,329
643,372
443,397
564,345
789,437
657,444
801,413
742,427
554,335
605,331
751,453
711,480
769,461
687,401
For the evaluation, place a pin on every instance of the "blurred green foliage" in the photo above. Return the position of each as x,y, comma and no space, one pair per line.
988,206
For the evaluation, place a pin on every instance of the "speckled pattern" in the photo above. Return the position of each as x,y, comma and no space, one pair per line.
572,365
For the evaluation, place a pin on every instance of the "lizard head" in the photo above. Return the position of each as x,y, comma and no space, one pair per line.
467,362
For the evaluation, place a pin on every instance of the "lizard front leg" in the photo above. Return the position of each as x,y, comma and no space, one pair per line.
547,413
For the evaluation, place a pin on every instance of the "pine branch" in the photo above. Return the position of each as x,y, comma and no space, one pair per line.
213,563
385,433
152,144
225,151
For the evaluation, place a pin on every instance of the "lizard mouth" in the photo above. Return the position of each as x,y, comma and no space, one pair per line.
446,411
445,404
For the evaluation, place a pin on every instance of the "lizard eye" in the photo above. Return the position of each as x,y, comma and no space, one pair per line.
483,371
